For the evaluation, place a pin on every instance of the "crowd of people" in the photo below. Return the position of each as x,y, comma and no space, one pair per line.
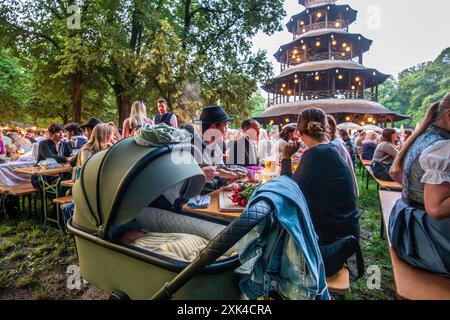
326,174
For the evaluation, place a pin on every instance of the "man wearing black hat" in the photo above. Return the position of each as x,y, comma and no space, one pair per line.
89,126
214,121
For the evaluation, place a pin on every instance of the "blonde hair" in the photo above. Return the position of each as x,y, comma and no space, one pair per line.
138,114
97,142
433,115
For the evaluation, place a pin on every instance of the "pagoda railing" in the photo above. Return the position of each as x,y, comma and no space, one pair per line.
323,94
333,55
339,25
310,3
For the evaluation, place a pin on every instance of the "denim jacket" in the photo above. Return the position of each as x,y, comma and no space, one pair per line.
282,253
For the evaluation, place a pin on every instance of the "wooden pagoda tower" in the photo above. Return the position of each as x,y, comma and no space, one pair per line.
323,67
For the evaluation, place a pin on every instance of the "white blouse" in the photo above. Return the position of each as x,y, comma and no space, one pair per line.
435,161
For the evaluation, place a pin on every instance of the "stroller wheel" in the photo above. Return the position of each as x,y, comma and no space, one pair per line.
119,295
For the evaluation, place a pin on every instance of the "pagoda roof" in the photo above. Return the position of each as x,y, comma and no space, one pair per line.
330,106
365,43
324,65
350,13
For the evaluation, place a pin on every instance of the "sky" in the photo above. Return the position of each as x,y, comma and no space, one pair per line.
404,32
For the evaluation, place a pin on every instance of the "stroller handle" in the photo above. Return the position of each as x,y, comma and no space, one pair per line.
217,247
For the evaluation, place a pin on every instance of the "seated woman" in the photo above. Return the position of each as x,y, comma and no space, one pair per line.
420,222
101,139
384,155
326,182
287,135
345,150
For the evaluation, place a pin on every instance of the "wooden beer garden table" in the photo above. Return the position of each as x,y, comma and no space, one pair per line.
214,208
38,171
48,187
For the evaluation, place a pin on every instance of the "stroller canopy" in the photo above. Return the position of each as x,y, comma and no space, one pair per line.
116,184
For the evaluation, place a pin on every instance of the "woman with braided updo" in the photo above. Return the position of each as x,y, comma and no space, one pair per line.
325,180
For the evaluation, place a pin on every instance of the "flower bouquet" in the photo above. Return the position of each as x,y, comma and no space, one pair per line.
242,193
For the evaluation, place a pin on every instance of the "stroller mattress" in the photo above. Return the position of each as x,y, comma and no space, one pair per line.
172,235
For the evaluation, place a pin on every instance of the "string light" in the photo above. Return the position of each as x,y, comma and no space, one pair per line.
353,87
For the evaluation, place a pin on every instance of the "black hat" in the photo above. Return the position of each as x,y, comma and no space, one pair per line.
214,114
91,123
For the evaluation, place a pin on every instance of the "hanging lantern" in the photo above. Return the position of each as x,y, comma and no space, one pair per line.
347,119
334,42
317,78
340,77
302,23
317,43
296,81
353,87
319,15
295,51
370,119
283,85
348,49
344,45
358,79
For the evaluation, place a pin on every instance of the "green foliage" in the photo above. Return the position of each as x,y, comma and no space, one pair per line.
191,52
417,88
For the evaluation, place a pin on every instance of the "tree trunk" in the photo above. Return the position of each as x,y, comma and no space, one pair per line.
123,102
76,97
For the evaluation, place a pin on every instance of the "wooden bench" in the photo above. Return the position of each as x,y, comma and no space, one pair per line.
412,283
63,200
21,191
384,185
340,282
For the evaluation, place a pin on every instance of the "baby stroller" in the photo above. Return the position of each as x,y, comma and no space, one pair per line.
117,186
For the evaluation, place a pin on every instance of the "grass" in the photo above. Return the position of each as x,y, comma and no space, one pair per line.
375,250
34,260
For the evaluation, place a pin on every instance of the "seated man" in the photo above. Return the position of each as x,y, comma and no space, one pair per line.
243,151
